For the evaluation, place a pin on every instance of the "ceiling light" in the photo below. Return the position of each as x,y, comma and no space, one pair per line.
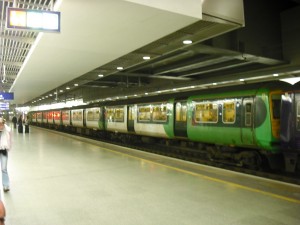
214,83
242,80
119,68
275,74
67,88
146,57
100,75
146,93
76,85
187,42
292,80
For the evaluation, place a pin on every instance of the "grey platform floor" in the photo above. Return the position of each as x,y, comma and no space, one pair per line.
56,179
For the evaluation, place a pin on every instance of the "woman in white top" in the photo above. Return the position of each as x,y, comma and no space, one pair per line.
5,145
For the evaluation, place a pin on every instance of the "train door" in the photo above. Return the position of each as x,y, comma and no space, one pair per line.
290,129
130,118
84,117
297,132
180,123
247,134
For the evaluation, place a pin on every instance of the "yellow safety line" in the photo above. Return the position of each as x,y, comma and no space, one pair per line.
210,178
202,176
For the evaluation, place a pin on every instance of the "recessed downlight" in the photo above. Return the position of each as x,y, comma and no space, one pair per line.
187,42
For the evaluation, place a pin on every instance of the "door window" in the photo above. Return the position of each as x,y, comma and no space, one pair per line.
298,115
248,114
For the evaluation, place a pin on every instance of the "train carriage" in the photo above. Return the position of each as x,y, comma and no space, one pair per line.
244,118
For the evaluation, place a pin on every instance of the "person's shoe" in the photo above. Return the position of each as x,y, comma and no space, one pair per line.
5,189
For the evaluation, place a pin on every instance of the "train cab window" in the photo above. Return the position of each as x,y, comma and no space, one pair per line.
159,113
206,113
298,115
248,114
276,101
181,112
229,112
144,113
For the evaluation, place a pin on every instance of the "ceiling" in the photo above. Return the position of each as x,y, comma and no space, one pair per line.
100,36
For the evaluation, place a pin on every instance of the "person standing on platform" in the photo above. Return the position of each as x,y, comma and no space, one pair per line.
20,124
27,124
5,145
14,120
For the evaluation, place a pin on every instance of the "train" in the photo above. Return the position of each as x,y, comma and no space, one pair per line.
255,125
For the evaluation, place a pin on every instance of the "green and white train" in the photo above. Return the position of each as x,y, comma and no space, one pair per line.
249,125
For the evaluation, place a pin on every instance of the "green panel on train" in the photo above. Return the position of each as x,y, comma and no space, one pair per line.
239,118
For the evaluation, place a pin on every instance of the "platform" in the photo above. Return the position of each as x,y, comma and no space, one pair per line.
62,180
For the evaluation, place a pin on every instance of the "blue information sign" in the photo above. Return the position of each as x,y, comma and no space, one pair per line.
4,106
6,96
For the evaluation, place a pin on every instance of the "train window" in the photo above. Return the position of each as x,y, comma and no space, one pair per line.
119,115
229,112
65,115
109,114
77,115
56,115
39,116
276,101
298,115
144,113
248,114
93,114
181,111
206,113
44,116
50,115
159,113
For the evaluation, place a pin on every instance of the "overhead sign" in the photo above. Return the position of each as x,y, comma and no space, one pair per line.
4,106
6,96
34,20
